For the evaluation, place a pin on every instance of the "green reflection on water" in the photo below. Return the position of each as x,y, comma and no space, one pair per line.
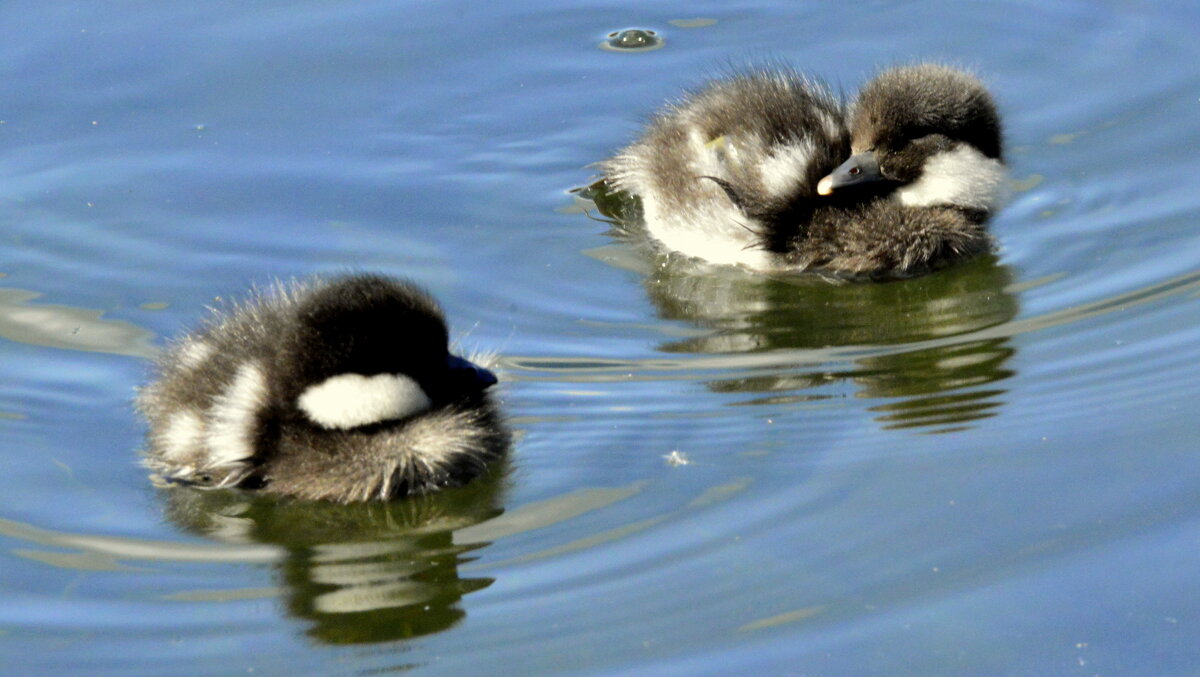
380,571
919,341
369,572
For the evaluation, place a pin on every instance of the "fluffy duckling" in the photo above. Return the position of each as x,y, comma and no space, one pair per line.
342,390
730,169
927,140
747,171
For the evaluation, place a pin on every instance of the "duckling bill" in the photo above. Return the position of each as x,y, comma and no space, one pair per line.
769,170
342,390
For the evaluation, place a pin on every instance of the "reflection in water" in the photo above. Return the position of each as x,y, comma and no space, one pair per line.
944,385
365,572
368,572
67,327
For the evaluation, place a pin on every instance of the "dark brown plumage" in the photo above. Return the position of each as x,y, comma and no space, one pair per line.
881,239
902,105
341,390
746,171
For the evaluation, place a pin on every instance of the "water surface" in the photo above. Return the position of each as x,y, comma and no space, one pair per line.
988,470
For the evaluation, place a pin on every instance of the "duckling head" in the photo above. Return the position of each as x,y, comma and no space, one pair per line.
930,131
369,350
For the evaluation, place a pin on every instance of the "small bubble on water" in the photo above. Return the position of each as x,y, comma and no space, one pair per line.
633,40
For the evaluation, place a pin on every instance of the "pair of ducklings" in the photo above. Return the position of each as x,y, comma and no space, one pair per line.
768,170
346,390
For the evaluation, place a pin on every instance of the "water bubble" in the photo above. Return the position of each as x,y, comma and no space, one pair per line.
633,40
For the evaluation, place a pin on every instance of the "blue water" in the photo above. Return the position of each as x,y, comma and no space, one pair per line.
989,470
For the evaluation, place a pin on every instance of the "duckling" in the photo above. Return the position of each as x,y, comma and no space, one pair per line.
729,172
926,141
753,170
342,390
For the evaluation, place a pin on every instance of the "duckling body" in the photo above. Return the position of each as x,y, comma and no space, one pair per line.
766,137
757,170
340,390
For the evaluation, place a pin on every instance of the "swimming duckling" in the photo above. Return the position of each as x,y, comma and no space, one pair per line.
746,171
727,173
927,138
340,389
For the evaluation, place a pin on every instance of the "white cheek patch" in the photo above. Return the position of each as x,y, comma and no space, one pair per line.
350,400
962,177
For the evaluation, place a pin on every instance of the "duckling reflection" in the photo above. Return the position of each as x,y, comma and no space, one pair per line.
945,382
357,573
